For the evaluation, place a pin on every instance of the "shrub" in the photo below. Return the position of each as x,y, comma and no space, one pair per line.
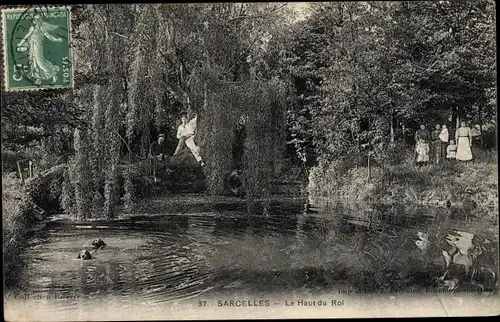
15,221
400,180
12,201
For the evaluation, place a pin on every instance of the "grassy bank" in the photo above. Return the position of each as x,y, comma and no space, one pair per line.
472,183
18,217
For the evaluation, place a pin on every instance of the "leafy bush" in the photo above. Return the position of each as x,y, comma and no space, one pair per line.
15,220
476,182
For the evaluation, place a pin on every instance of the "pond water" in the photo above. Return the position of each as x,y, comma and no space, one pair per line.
175,256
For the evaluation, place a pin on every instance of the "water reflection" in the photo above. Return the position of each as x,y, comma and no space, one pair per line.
370,248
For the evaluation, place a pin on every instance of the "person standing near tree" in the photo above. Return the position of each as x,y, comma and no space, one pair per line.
476,135
185,134
444,136
463,136
436,145
422,138
158,154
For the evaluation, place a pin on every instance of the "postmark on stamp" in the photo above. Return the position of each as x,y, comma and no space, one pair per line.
37,48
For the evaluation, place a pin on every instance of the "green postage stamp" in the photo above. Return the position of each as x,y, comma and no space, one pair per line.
37,48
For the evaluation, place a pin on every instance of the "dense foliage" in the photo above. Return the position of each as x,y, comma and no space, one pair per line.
350,75
137,68
371,72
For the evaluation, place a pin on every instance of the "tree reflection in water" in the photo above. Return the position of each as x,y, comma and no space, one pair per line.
363,248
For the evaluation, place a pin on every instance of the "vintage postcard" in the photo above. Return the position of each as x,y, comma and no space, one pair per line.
269,160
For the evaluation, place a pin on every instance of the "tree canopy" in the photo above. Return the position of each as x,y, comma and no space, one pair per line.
350,74
365,71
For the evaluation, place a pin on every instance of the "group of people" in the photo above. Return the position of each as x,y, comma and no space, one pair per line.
436,146
185,134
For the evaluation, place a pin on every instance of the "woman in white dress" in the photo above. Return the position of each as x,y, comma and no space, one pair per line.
422,139
463,137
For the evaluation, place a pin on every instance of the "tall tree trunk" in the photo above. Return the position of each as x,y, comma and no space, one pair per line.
461,115
369,151
480,126
454,118
392,129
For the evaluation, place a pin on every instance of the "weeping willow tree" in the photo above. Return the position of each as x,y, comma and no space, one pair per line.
81,180
231,94
97,155
121,59
141,66
216,130
256,104
265,141
103,67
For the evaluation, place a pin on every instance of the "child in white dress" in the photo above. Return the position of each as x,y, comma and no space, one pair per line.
451,150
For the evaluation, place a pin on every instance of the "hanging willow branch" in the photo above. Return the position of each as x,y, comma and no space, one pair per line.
153,57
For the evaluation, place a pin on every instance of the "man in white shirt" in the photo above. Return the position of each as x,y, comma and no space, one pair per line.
185,134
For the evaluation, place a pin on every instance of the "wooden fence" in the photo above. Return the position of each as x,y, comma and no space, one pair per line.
20,169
